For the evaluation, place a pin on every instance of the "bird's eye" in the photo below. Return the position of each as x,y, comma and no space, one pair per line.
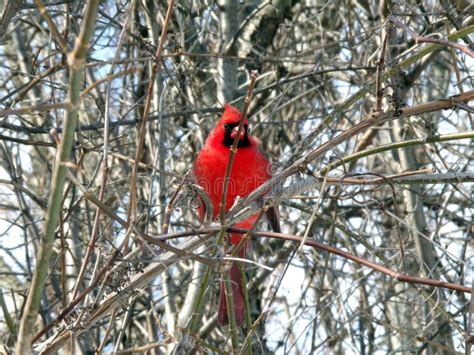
226,125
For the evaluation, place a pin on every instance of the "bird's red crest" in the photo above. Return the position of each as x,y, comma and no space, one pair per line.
231,115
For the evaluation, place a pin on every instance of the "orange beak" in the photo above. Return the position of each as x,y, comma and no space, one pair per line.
234,132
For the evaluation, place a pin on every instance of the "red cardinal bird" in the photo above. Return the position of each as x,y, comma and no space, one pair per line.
250,169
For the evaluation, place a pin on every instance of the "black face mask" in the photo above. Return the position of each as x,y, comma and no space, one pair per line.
228,140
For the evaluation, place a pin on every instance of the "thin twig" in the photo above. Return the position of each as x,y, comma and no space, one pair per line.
52,26
109,328
146,111
301,163
397,145
8,319
105,167
63,261
141,279
313,243
395,206
63,105
105,269
170,205
222,207
109,212
380,65
233,148
423,39
76,63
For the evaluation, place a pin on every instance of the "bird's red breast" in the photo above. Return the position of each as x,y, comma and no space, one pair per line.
250,168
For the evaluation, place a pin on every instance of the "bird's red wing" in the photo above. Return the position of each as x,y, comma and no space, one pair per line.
273,215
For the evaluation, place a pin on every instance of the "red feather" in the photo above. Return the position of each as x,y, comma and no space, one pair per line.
251,169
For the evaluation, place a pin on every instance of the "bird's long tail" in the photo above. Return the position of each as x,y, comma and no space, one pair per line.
237,293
